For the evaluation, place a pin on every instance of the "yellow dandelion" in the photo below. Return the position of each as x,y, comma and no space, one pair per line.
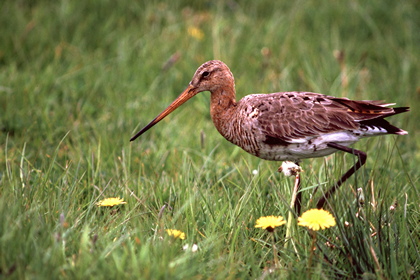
270,222
111,201
176,233
316,219
196,33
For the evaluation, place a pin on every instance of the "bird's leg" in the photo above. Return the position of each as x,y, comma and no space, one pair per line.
293,169
360,162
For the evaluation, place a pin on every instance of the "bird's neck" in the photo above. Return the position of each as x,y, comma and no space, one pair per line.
222,106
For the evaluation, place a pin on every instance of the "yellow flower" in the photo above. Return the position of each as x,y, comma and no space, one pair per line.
196,33
111,201
270,222
316,219
176,233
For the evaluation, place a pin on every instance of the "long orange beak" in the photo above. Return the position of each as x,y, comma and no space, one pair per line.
189,92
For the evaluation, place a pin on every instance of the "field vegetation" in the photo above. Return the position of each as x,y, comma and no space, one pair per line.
79,78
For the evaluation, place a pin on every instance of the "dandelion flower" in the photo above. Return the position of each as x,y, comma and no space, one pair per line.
270,222
316,219
196,33
111,201
176,233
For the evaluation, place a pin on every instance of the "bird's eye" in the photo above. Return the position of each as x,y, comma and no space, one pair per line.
205,74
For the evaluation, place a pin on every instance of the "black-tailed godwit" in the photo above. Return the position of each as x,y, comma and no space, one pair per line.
287,126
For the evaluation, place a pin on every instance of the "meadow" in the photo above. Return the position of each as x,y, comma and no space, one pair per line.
79,78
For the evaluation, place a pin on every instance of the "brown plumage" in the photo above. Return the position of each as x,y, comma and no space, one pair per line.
286,125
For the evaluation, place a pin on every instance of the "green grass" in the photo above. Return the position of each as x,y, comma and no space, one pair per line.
78,78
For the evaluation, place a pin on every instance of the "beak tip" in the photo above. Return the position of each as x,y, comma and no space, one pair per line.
134,138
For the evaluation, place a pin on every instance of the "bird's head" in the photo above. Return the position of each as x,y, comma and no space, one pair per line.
210,76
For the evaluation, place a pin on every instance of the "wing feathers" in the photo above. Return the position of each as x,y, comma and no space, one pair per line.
285,116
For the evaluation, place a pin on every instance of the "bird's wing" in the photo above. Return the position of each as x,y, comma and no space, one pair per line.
287,117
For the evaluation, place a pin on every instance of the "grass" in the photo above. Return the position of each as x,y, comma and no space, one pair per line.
78,78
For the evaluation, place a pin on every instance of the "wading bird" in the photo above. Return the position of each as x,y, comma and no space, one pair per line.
287,126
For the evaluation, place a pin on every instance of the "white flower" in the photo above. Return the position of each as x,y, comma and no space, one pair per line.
290,168
194,247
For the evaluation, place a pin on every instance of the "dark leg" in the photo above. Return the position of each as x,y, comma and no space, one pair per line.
360,162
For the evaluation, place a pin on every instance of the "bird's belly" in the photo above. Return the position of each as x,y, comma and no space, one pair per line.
305,147
294,152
